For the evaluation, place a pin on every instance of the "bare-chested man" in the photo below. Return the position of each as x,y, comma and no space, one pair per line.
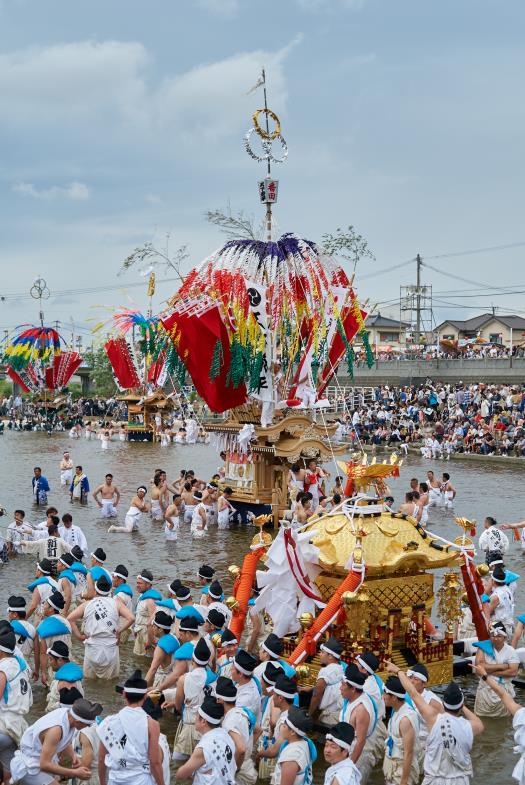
434,490
110,497
137,507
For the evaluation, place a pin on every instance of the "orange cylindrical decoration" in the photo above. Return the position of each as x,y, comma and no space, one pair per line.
243,590
308,643
474,601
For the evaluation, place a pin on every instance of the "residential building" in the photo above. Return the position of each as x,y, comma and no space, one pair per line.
505,330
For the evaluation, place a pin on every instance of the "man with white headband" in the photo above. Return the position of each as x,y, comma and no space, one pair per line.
248,689
501,661
137,507
500,607
188,697
451,731
297,756
327,691
283,694
199,516
16,697
337,747
360,711
239,722
144,612
418,675
517,711
36,762
123,591
104,619
213,760
109,497
129,741
400,764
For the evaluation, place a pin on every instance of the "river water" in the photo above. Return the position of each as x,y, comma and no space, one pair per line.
483,489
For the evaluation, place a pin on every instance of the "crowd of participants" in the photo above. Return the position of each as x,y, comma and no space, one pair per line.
233,703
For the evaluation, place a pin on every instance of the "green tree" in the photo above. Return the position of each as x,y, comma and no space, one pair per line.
102,375
348,245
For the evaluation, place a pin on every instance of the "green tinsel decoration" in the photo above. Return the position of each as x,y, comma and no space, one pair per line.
350,360
216,361
237,372
368,351
255,375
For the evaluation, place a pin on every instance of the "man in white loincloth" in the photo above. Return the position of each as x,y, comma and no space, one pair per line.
102,628
66,469
109,497
36,762
129,741
500,660
224,508
137,507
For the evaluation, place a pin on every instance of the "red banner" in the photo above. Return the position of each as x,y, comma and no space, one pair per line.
195,336
122,362
64,366
17,379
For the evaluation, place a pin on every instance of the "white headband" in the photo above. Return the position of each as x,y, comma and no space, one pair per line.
266,648
363,664
242,670
94,556
233,642
119,575
294,728
211,720
329,651
339,742
399,695
16,610
102,593
453,708
227,698
9,651
417,675
81,719
354,684
283,694
162,626
201,662
142,578
54,653
135,690
45,572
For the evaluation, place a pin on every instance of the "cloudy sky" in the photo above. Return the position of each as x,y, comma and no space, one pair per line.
123,121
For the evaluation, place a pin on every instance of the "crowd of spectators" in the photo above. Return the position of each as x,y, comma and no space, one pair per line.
441,419
482,352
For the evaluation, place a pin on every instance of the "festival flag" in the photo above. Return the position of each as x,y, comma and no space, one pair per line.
201,340
123,363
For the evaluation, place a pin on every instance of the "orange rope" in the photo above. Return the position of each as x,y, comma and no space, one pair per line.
243,590
308,643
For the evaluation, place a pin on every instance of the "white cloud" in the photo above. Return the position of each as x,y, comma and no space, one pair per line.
75,191
103,90
153,199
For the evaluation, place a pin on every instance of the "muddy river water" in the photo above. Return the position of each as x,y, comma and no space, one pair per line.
483,489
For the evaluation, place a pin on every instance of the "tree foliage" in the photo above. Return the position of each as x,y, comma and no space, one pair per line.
102,374
347,244
149,254
233,225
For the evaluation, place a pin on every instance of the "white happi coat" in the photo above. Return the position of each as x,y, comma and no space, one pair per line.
345,772
101,653
447,758
27,758
332,701
125,737
219,755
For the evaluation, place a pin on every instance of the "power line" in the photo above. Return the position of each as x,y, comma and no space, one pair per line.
385,270
472,251
89,290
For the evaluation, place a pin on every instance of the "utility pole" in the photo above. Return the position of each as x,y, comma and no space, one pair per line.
418,299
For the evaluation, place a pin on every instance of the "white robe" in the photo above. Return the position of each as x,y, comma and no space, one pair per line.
125,737
447,758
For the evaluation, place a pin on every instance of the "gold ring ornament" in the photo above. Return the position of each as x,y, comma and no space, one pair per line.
272,116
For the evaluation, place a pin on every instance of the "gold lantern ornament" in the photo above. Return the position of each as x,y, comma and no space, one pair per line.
217,640
232,603
482,570
234,571
306,620
449,596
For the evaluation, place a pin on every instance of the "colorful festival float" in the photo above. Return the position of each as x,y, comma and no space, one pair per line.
37,358
145,365
261,327
365,575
